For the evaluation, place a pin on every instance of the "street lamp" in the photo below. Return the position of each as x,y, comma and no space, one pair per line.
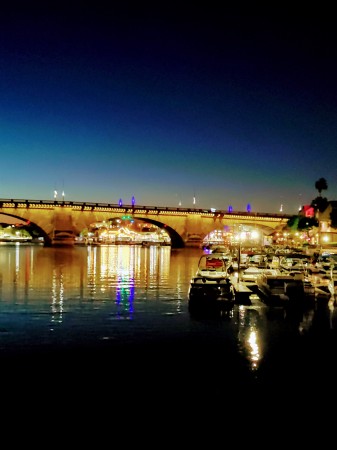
240,236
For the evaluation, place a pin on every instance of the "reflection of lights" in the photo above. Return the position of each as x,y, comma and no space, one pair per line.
248,336
125,293
117,273
17,259
254,353
116,270
57,298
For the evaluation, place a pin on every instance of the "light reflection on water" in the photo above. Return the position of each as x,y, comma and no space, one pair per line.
249,334
129,294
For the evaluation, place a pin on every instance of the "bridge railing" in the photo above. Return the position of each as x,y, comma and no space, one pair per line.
92,205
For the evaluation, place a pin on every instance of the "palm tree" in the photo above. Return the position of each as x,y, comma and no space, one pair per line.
320,203
321,185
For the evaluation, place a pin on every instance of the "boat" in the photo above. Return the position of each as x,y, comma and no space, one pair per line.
225,254
211,289
289,263
249,276
259,260
220,249
193,240
63,238
284,289
320,280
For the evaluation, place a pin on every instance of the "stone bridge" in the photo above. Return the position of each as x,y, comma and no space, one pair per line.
42,217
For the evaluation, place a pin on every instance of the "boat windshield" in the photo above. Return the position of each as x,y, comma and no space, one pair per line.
209,263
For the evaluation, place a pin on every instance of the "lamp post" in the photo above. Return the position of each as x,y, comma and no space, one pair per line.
239,253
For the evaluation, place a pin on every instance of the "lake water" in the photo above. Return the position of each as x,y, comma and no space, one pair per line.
116,318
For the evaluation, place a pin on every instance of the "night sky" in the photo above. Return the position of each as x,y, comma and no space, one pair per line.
167,104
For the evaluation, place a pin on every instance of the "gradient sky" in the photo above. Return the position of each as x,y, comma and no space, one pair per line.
167,104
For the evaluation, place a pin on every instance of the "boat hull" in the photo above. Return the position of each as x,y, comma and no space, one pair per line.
211,295
290,294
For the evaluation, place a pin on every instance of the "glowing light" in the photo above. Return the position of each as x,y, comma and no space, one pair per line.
254,352
255,234
243,235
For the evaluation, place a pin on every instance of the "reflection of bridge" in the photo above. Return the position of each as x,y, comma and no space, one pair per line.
43,215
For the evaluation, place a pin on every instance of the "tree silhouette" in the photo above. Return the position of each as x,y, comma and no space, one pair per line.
320,203
333,217
321,185
301,223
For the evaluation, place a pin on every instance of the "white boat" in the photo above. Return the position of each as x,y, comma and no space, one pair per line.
289,263
220,249
320,280
259,260
249,276
279,289
211,288
225,254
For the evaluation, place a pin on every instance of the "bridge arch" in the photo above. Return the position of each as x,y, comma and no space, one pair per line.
33,229
176,240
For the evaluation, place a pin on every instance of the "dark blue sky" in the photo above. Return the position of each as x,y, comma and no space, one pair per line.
167,104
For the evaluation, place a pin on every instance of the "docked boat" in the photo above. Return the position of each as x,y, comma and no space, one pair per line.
289,263
224,253
193,240
284,289
249,276
320,280
63,238
258,260
211,289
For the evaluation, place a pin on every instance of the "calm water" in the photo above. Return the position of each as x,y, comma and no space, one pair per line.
116,313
